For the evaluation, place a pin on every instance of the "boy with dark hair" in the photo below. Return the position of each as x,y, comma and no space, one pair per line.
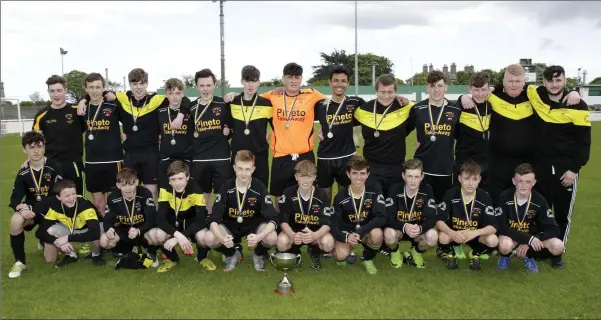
35,182
435,120
360,214
68,218
527,222
466,216
411,211
251,114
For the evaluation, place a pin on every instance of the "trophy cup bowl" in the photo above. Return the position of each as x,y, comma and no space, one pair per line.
285,262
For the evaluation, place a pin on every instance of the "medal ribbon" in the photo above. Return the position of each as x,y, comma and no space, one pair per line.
357,212
517,213
468,216
439,116
246,122
300,204
376,123
331,124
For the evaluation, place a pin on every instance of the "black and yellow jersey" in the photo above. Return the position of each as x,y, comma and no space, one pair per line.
81,217
342,120
512,126
473,135
299,213
209,120
566,130
30,183
102,123
257,118
371,212
63,130
183,136
439,122
389,145
419,209
182,211
139,213
533,218
474,215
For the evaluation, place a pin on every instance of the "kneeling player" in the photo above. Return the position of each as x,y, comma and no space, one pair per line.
68,218
527,222
182,214
466,216
411,211
243,208
305,216
34,182
130,216
360,213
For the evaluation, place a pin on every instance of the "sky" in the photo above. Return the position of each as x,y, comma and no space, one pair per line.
169,39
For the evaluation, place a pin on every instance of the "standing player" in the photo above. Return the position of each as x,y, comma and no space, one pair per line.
305,215
210,149
411,210
104,154
435,120
140,126
473,132
336,119
466,216
34,183
130,216
243,208
181,215
527,222
68,218
360,214
251,114
564,150
175,144
63,130
384,128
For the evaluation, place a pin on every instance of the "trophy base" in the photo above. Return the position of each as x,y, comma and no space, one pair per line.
285,287
284,293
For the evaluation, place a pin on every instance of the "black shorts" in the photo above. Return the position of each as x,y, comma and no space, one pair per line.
439,184
261,167
282,172
329,170
385,175
474,243
37,219
101,177
211,175
239,231
146,164
126,244
163,165
73,170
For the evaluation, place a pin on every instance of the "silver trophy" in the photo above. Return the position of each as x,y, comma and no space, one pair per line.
285,262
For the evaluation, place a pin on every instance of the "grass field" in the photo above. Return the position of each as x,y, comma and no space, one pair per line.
188,291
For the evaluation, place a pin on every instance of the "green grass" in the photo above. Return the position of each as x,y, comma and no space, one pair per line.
85,291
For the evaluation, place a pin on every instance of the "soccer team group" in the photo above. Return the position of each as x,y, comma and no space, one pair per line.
496,171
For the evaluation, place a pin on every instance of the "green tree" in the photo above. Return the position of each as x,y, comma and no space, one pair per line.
419,79
275,82
463,78
495,77
188,81
571,82
35,97
114,86
75,83
597,80
320,83
365,62
218,84
400,82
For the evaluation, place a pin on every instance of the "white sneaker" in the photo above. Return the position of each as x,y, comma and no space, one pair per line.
16,270
155,263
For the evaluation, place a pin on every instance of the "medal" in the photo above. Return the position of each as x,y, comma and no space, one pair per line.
170,126
357,227
134,128
300,205
331,124
239,202
482,120
131,106
357,210
37,182
131,212
176,207
434,126
176,224
287,114
72,226
172,142
38,198
239,219
433,138
246,122
91,124
376,123
197,117
91,137
196,134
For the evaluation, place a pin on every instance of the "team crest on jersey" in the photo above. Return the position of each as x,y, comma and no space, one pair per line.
315,209
47,176
107,112
138,206
420,203
217,111
69,118
477,212
350,108
367,204
252,201
531,213
450,115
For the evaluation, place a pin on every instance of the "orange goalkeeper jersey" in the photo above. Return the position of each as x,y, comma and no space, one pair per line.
293,125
